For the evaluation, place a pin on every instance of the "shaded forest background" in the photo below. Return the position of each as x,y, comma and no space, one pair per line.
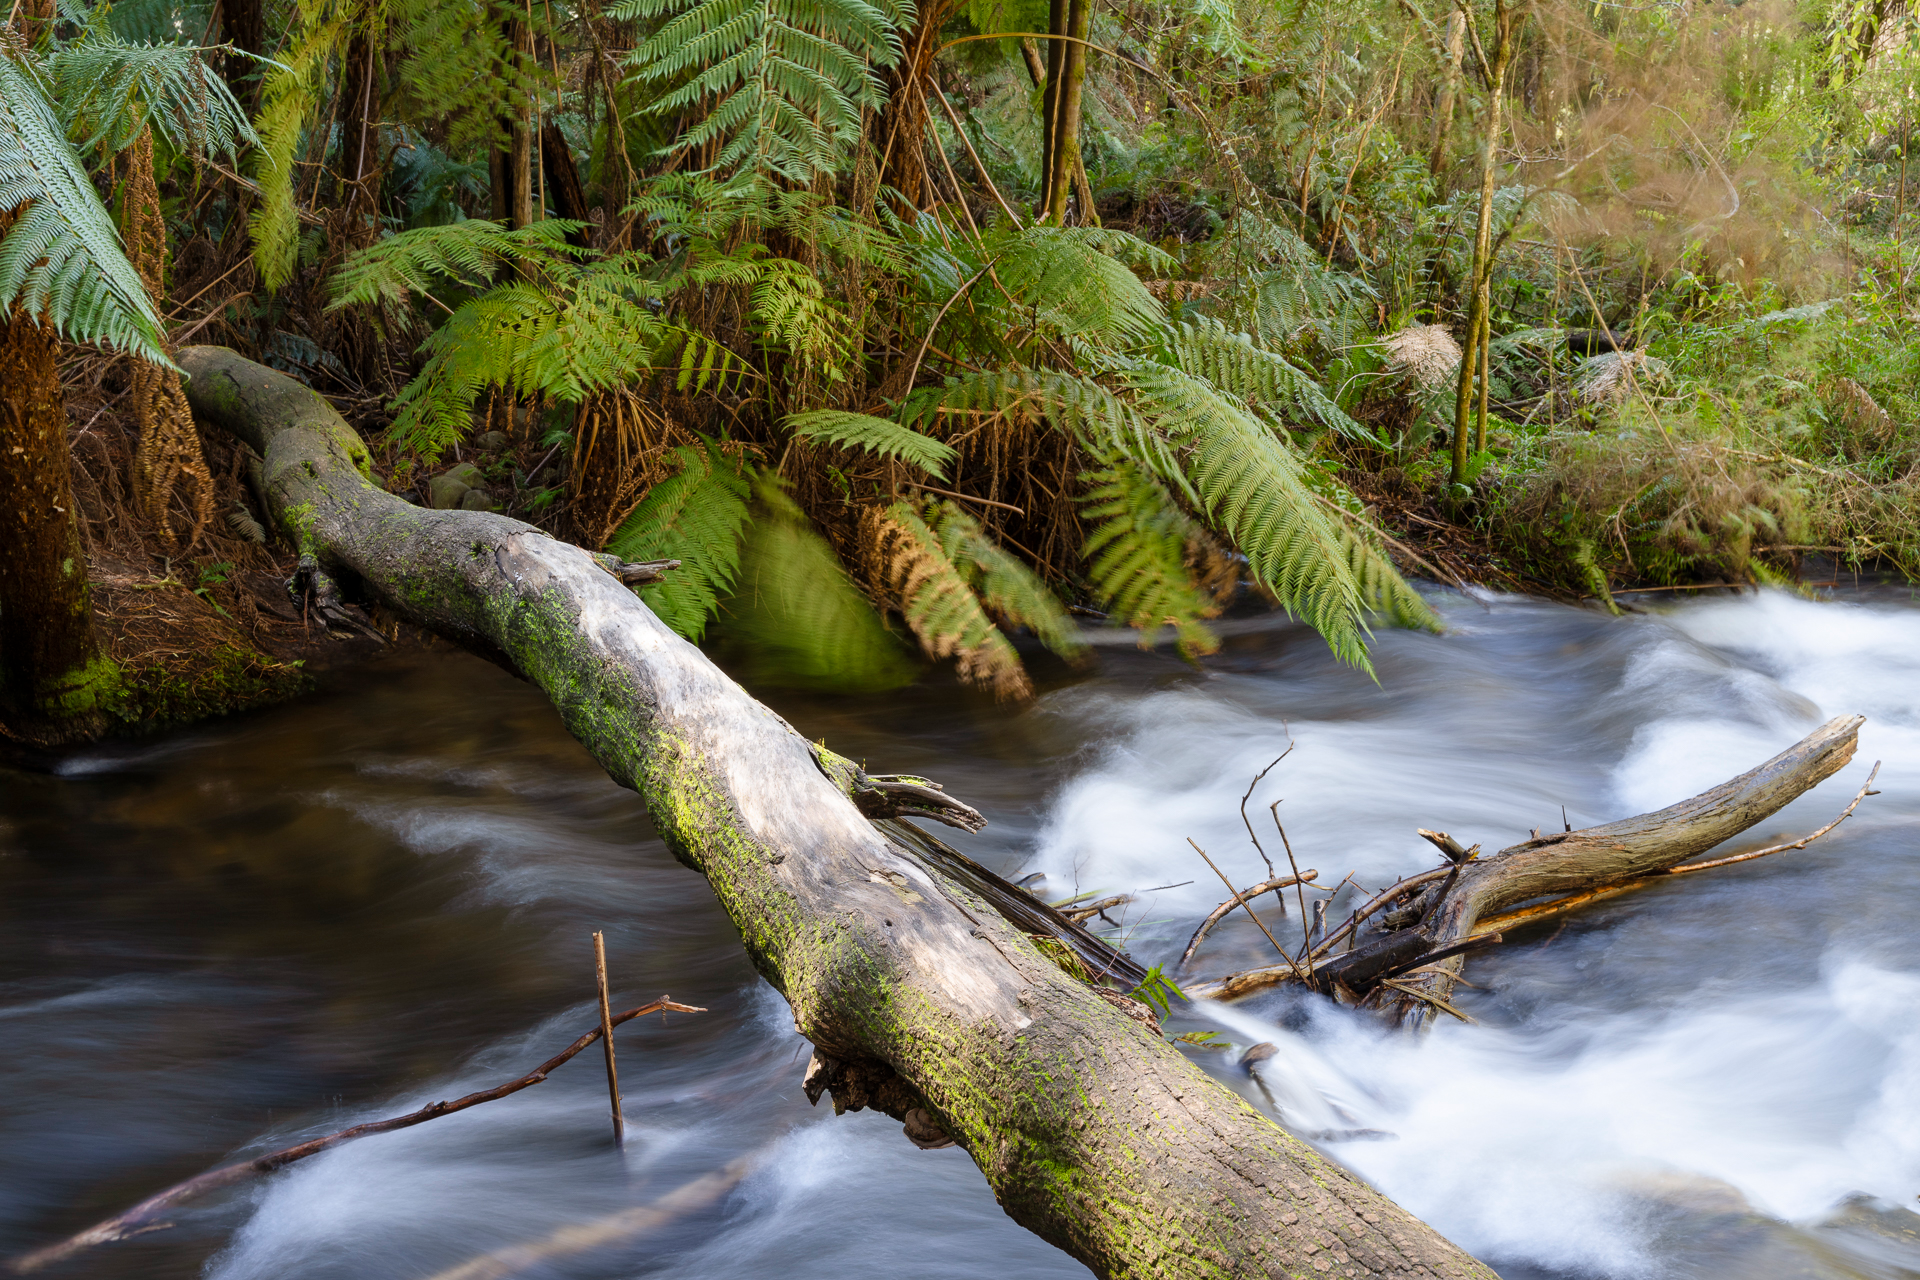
933,334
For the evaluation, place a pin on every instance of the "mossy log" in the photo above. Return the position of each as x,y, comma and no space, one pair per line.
921,999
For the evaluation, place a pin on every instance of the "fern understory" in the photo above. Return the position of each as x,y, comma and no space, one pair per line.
769,288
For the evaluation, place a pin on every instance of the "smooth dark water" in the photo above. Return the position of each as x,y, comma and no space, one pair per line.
222,942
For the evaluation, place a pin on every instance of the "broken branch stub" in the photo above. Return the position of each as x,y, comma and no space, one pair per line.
1094,1133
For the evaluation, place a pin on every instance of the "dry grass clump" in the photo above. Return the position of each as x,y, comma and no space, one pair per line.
1426,351
1612,376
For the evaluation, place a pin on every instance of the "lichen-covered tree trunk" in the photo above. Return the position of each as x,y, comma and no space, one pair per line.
52,673
1095,1133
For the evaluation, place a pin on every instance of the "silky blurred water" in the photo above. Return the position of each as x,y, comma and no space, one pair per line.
221,942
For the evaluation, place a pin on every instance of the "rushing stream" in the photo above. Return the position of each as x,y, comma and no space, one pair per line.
227,940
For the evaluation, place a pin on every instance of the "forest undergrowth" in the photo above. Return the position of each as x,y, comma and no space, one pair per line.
939,333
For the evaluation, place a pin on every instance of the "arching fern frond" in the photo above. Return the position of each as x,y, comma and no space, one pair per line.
109,90
875,435
62,260
1104,423
1136,560
289,94
1010,590
465,253
782,83
794,617
1264,379
792,311
1070,278
694,516
1381,586
911,568
1253,487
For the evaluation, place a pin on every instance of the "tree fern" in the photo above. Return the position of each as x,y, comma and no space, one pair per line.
694,516
62,259
457,67
911,567
1253,487
1075,280
875,435
781,83
109,90
794,618
1136,556
1381,586
1010,590
467,253
289,94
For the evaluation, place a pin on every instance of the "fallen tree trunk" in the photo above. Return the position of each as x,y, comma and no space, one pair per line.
919,997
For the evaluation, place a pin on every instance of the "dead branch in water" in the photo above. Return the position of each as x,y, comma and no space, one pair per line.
143,1216
1243,896
1418,957
615,1228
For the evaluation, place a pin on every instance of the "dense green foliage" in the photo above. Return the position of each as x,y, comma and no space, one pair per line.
786,308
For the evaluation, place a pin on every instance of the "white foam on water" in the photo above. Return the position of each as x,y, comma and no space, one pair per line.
1563,1140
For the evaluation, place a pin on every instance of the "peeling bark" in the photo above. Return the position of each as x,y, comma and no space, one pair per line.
1094,1133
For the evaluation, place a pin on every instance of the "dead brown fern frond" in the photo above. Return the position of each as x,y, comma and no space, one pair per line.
169,451
907,568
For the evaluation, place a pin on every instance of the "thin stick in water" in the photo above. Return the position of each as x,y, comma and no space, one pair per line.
606,1037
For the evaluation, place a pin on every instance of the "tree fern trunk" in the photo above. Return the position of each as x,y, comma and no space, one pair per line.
921,999
52,673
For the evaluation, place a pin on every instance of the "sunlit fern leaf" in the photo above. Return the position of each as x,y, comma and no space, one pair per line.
1073,282
62,260
1011,591
779,85
290,92
586,330
694,516
875,435
913,571
1232,362
465,253
1136,556
1381,586
1253,488
109,90
794,619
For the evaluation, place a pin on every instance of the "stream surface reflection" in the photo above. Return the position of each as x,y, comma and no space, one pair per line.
227,940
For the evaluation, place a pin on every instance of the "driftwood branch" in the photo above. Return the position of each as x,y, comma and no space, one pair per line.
1475,897
601,1233
1093,1132
1219,913
144,1216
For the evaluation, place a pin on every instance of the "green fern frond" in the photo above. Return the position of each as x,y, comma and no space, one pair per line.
1381,586
781,83
694,516
62,260
1253,487
1011,591
1136,556
875,435
1103,422
457,67
109,90
466,253
795,619
1070,278
911,568
790,308
1262,378
289,94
